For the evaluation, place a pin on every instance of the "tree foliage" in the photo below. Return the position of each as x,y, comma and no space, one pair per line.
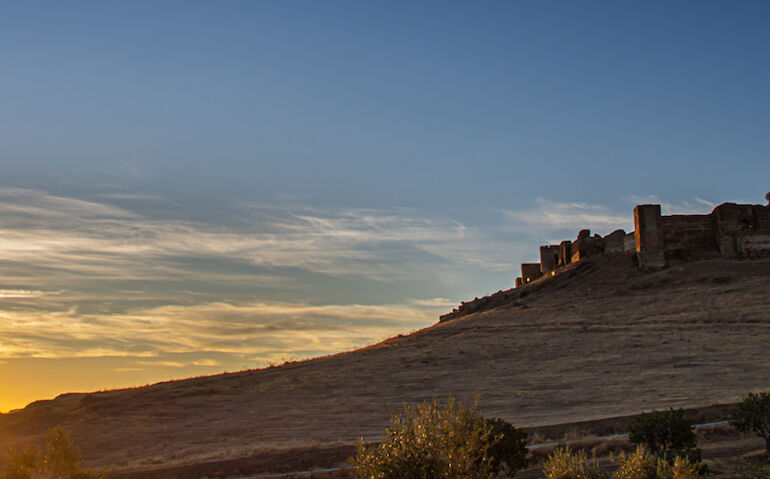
508,448
566,464
59,459
666,434
642,464
753,415
451,441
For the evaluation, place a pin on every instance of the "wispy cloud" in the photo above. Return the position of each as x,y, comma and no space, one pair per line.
20,293
698,206
102,240
432,303
258,330
551,214
549,221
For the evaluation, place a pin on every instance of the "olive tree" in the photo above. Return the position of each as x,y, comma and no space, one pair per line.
753,415
449,441
666,434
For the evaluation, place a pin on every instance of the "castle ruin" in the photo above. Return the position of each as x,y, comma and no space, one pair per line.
730,231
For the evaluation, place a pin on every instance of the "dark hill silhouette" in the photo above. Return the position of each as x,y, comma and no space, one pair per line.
602,340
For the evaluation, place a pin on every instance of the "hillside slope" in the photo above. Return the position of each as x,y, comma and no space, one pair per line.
602,340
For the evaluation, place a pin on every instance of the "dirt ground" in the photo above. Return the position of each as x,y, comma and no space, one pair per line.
601,341
720,441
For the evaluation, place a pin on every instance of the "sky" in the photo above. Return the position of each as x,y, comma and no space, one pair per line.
194,187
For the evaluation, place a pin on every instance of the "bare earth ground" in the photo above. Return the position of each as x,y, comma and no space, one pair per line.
603,340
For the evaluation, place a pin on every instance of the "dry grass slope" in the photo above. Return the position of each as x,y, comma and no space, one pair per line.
607,340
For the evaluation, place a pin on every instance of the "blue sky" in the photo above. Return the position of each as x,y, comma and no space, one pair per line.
189,187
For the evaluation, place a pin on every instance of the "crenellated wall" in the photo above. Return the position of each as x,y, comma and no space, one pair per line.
614,242
730,230
689,236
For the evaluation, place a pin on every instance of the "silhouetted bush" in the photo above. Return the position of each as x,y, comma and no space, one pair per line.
430,440
666,434
508,448
753,415
59,459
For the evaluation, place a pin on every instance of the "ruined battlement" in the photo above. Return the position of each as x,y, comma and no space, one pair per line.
730,231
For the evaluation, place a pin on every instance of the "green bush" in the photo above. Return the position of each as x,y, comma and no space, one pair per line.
666,434
753,415
508,449
59,459
430,440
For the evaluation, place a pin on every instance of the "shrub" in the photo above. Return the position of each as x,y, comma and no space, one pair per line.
430,440
60,459
566,464
508,448
683,468
642,464
753,415
666,434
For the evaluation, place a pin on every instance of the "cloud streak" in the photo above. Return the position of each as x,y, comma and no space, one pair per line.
259,330
20,293
698,206
548,215
85,237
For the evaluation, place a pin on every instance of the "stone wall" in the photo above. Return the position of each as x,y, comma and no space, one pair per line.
730,230
648,233
613,242
565,253
530,272
629,243
754,245
731,219
549,259
586,245
689,236
762,213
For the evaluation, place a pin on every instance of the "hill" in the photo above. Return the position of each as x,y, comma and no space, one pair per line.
602,339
